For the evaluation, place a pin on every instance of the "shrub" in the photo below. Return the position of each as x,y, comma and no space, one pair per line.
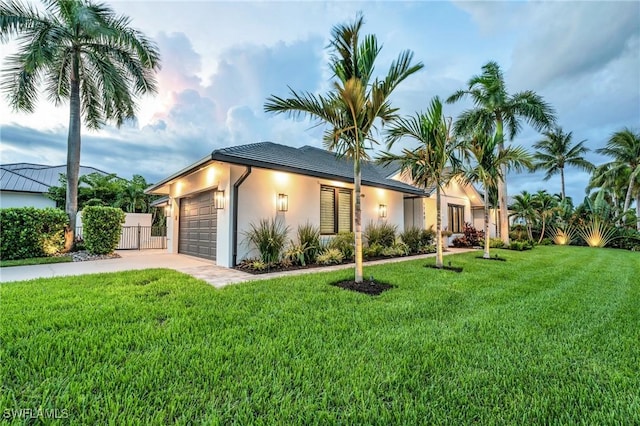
428,249
383,234
372,250
398,249
496,243
562,236
330,256
27,232
345,243
520,245
417,239
309,239
269,236
471,237
518,232
626,239
101,228
546,242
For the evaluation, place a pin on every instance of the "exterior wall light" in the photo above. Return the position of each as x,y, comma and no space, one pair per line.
382,210
218,199
283,202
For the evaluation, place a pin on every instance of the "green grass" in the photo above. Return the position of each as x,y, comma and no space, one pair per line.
35,261
551,336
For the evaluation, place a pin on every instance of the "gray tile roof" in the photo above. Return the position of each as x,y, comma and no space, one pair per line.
26,177
310,161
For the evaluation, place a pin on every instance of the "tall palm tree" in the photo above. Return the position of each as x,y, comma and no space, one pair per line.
555,152
624,147
353,107
82,52
486,166
523,208
612,182
434,162
495,108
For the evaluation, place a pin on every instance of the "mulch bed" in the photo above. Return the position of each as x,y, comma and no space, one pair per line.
446,268
370,287
501,259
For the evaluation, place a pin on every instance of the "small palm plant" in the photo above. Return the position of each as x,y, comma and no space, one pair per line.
563,236
269,236
597,233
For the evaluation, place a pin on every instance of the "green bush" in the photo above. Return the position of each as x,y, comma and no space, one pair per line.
309,239
494,243
343,242
417,239
372,250
520,245
330,256
269,236
382,233
101,228
27,232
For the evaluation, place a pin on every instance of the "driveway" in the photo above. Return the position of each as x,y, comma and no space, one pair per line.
203,269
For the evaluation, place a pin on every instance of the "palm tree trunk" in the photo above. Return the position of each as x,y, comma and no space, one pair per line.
486,254
542,233
358,219
638,210
627,199
502,187
439,261
73,156
562,182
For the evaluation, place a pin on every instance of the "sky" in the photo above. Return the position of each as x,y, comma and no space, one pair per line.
221,60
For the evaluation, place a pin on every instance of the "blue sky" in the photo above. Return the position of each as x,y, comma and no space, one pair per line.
220,60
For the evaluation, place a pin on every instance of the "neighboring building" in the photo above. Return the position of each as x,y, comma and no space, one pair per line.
26,185
212,203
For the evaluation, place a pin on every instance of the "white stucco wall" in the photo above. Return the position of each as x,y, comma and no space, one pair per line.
24,199
257,200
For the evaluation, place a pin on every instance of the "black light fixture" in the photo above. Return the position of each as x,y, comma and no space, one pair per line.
382,210
218,199
283,202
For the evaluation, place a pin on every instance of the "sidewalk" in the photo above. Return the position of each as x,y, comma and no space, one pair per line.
203,269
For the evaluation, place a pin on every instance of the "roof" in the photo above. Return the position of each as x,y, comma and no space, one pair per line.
310,161
27,177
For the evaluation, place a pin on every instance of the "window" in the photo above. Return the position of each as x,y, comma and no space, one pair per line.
335,210
456,218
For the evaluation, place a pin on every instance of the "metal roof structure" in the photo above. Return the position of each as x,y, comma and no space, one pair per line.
38,178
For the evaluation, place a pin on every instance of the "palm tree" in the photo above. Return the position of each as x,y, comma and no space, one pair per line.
494,108
555,152
487,165
523,208
433,162
81,51
352,109
624,147
545,206
612,182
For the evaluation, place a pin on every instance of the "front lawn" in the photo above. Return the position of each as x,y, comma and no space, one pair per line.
36,261
549,336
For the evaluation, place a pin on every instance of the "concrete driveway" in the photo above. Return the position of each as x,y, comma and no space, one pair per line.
130,260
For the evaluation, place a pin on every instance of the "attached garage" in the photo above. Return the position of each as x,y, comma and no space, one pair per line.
197,228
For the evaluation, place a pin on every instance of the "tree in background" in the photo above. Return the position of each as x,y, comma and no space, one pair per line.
486,164
434,162
82,52
494,108
624,147
354,105
555,152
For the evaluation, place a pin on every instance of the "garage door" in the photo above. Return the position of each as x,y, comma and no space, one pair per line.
198,221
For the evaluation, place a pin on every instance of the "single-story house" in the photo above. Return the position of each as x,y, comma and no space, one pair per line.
212,203
26,184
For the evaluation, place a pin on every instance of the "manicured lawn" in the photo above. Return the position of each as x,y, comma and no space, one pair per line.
36,261
550,336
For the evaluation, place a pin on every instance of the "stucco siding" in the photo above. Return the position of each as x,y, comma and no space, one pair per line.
24,199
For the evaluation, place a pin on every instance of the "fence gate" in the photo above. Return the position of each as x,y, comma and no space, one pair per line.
139,237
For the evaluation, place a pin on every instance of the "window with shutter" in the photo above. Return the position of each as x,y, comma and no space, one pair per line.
456,218
335,210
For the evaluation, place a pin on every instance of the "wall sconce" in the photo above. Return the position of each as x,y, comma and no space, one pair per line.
218,199
382,210
283,202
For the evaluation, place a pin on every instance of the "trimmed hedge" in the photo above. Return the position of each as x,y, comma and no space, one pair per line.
27,232
102,227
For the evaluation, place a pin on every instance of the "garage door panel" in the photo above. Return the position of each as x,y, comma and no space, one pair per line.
198,220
